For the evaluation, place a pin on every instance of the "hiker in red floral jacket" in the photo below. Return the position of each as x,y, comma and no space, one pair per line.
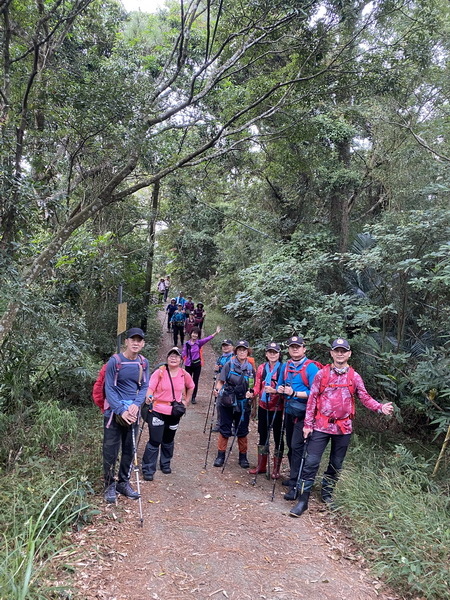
329,416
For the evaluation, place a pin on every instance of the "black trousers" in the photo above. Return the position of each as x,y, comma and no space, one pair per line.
274,419
316,447
116,437
194,371
297,447
289,430
228,415
178,330
162,429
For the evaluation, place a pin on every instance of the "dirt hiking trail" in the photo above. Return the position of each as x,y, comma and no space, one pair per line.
212,535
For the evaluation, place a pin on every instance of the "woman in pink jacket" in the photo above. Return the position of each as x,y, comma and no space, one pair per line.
168,385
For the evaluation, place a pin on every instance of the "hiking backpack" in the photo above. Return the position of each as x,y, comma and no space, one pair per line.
303,374
98,389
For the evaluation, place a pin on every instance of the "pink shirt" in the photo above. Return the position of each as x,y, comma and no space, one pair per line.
335,403
162,390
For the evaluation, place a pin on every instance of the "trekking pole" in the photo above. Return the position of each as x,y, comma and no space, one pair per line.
283,428
302,463
210,435
267,445
235,435
209,405
136,470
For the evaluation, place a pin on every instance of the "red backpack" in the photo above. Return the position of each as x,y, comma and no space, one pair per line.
351,385
98,390
303,374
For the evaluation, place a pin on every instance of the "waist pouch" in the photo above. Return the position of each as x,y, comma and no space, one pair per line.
296,408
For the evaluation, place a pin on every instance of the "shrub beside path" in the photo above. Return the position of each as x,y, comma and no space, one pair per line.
213,535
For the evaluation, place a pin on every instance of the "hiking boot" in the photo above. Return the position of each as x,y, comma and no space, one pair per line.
243,461
261,467
220,459
148,477
291,494
194,401
166,470
124,488
301,505
326,491
110,494
276,467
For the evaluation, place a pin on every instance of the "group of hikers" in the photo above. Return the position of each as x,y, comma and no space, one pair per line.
183,316
299,400
163,287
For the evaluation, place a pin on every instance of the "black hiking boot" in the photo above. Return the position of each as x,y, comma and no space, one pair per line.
243,461
301,505
291,494
220,459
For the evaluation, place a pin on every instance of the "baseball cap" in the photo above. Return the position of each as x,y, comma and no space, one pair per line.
135,331
295,339
227,343
273,346
174,350
242,344
340,343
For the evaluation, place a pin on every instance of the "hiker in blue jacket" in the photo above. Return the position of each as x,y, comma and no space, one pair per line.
178,320
295,382
126,382
170,309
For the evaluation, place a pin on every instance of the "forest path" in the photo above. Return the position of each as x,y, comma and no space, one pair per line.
212,535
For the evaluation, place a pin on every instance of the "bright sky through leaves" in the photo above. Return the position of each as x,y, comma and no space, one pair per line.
143,5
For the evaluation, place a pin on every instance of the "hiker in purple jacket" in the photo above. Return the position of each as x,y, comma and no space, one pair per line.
192,356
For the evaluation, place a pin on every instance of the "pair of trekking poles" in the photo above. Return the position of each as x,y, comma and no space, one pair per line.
214,405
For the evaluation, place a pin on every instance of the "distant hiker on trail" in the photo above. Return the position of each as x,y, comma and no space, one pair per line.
189,324
167,284
192,356
126,385
161,290
189,305
270,406
180,300
234,390
169,384
329,414
227,354
295,382
199,315
177,321
170,309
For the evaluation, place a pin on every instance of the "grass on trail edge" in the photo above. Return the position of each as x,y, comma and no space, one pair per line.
398,517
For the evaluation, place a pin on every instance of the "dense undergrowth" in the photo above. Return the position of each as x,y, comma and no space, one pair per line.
398,515
50,471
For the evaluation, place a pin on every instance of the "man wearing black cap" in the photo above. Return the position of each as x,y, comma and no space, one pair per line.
126,383
329,415
295,382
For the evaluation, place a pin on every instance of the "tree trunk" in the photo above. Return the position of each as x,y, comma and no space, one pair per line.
151,252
